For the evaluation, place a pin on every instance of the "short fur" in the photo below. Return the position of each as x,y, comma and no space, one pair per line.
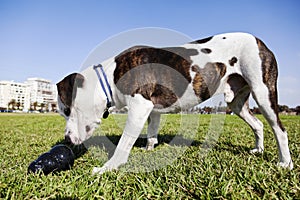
151,81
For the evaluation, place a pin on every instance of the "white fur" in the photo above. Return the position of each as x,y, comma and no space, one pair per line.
87,110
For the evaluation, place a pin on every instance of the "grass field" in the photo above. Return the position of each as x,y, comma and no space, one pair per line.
224,171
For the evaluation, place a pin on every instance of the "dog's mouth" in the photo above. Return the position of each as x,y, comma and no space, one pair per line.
73,139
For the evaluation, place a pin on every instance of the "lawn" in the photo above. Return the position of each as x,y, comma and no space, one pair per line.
197,158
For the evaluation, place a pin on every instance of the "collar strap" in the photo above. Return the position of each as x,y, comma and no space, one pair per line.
105,87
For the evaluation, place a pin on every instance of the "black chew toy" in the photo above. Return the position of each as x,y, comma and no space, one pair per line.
59,158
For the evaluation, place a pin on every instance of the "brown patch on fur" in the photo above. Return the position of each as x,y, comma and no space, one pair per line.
232,61
202,41
241,91
158,74
236,82
206,50
207,79
270,74
67,88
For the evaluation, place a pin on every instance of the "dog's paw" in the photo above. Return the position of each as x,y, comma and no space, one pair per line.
100,170
288,165
256,151
151,142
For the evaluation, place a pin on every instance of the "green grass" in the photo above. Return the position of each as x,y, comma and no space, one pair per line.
224,171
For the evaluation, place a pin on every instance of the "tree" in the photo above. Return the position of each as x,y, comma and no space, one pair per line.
207,110
283,108
297,110
53,107
42,106
18,104
228,110
35,104
12,103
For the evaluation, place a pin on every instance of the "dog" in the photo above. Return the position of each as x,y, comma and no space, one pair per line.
151,81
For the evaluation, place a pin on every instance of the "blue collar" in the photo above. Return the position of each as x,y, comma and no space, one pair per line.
108,94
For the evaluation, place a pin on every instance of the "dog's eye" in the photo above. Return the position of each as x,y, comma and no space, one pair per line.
67,112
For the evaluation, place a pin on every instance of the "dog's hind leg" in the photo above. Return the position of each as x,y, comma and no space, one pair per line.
265,99
262,99
239,104
264,92
152,131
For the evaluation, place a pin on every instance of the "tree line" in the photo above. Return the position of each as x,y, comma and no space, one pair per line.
41,107
284,109
14,105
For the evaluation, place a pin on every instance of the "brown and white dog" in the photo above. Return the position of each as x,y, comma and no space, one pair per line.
151,81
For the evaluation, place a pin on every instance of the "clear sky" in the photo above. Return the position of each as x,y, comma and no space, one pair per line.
51,38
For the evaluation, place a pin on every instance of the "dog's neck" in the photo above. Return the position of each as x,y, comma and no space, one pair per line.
101,76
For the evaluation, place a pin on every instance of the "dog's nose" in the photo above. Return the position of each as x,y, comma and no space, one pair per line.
87,128
68,139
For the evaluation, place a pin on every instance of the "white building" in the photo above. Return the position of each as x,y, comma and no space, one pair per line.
10,90
35,92
42,92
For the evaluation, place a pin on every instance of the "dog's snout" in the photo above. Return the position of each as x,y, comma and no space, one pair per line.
68,139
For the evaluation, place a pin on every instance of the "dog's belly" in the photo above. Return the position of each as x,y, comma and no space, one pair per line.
187,100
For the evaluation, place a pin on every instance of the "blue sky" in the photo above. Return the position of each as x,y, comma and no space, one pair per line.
50,39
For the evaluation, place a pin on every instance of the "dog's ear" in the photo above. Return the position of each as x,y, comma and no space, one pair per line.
67,88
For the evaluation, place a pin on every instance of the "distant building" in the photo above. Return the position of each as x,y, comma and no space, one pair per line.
10,90
42,92
35,93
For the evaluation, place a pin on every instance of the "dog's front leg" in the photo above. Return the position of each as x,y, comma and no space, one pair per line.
139,110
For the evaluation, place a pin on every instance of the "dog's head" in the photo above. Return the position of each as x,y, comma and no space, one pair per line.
81,105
